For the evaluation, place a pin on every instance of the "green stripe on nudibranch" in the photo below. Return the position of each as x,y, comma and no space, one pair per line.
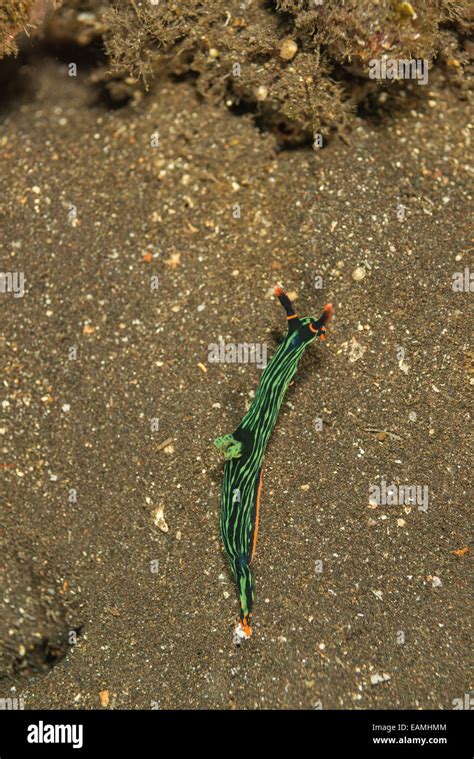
244,450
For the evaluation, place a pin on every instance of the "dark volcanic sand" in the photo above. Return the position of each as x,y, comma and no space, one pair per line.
166,637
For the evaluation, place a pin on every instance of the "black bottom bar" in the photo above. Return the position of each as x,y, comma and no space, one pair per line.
99,733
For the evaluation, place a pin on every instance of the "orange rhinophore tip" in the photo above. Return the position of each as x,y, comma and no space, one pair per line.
329,311
326,316
278,291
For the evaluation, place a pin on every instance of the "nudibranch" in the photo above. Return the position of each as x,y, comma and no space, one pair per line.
244,450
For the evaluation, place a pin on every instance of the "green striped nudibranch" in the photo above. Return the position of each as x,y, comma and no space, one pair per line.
244,450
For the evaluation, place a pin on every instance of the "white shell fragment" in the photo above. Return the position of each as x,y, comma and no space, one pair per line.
239,635
376,679
159,519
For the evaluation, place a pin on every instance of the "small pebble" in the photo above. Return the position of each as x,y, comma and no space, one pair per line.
358,274
376,679
288,49
159,519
